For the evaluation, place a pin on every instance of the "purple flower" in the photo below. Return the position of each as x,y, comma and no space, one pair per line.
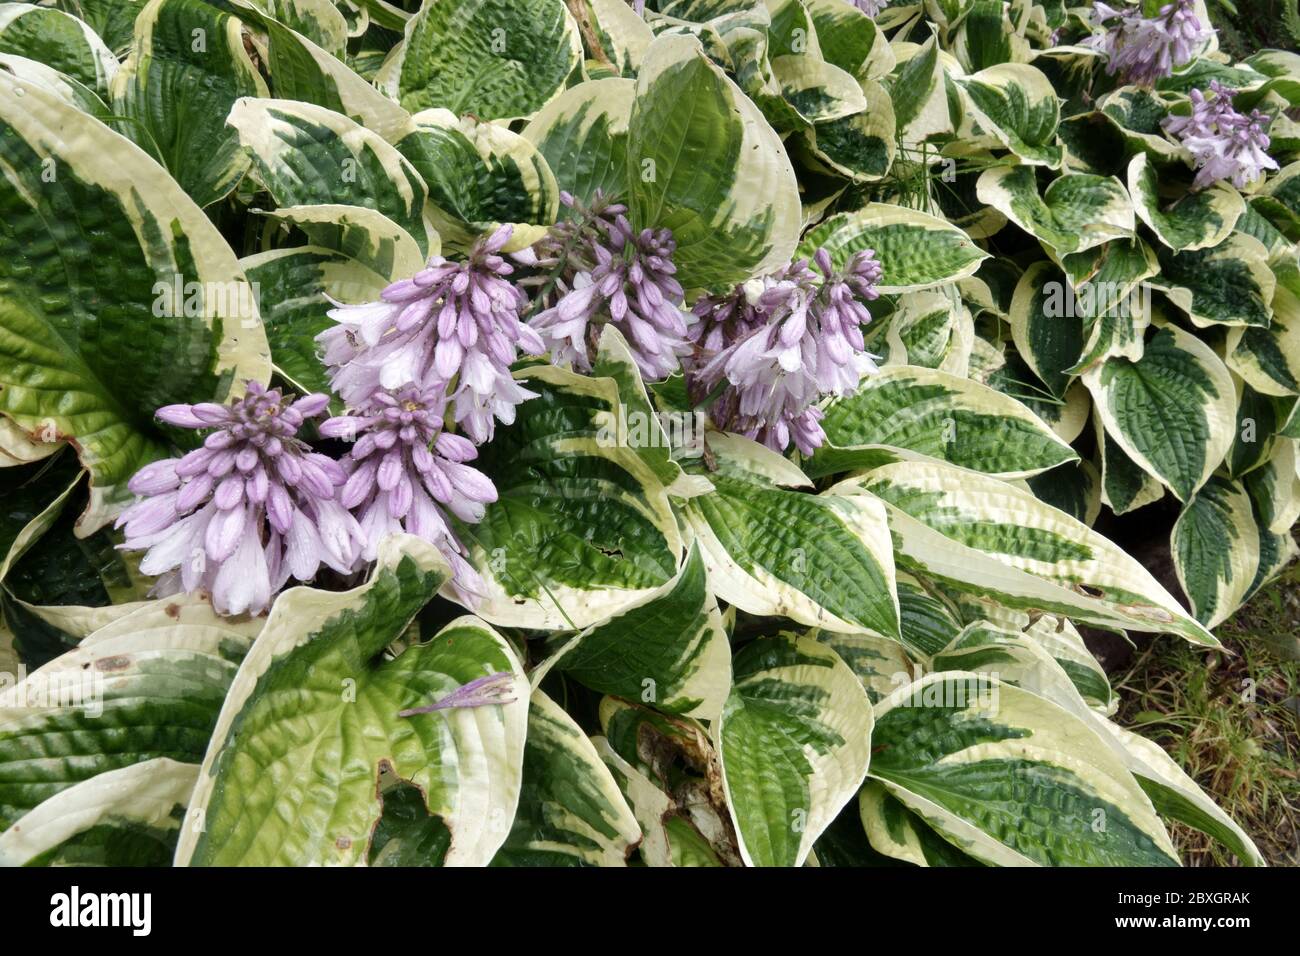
600,271
404,470
452,323
1145,49
781,344
871,7
250,508
495,688
1224,143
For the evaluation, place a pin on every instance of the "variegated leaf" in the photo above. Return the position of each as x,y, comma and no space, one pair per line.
821,561
582,526
904,412
582,134
296,288
126,817
704,163
1230,284
1012,778
479,176
1015,530
1075,212
669,651
916,250
496,59
307,155
1016,103
1172,411
795,741
1216,549
176,92
571,812
109,251
1195,220
149,684
315,673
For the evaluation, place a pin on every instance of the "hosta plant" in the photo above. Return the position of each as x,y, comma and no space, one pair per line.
680,433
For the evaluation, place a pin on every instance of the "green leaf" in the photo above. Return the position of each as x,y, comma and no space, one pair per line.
670,651
1176,795
1173,411
571,812
896,832
1012,778
93,335
1047,326
177,89
1216,549
496,59
704,163
904,412
916,250
795,741
315,675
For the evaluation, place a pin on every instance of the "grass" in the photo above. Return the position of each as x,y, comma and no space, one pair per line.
1232,721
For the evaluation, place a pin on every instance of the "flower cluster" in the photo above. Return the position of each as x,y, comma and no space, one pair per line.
1224,143
594,268
250,508
1145,49
403,469
439,344
452,324
782,343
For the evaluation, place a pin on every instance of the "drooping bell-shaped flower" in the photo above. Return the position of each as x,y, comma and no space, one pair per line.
249,509
452,322
599,270
1143,49
404,472
782,344
1225,144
